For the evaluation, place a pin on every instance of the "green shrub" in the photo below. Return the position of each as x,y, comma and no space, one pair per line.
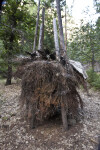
94,79
96,83
3,69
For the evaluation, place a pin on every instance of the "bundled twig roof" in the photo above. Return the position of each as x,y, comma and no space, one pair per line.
45,86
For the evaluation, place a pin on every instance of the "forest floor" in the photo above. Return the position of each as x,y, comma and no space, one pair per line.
15,132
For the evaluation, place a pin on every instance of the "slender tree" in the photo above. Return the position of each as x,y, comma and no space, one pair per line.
62,45
62,53
14,33
65,29
10,48
41,36
56,39
36,31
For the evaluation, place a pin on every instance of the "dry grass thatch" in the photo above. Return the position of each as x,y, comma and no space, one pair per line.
46,86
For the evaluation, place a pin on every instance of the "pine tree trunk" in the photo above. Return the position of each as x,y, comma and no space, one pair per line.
36,31
62,45
63,54
65,29
41,36
56,39
92,50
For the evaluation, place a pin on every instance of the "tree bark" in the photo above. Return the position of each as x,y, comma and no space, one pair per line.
62,45
36,30
65,29
92,50
41,36
63,55
56,39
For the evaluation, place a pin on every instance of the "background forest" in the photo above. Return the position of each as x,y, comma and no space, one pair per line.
17,31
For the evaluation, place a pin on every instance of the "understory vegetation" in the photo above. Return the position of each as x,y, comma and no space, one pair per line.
94,79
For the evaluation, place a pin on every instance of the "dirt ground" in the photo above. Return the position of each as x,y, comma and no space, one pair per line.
15,132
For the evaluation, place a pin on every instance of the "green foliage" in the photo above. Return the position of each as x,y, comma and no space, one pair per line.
85,46
97,5
94,79
3,69
16,33
3,66
17,22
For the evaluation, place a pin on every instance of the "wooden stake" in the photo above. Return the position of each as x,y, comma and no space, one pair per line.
64,116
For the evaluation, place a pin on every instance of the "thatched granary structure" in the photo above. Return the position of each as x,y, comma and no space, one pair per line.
46,87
